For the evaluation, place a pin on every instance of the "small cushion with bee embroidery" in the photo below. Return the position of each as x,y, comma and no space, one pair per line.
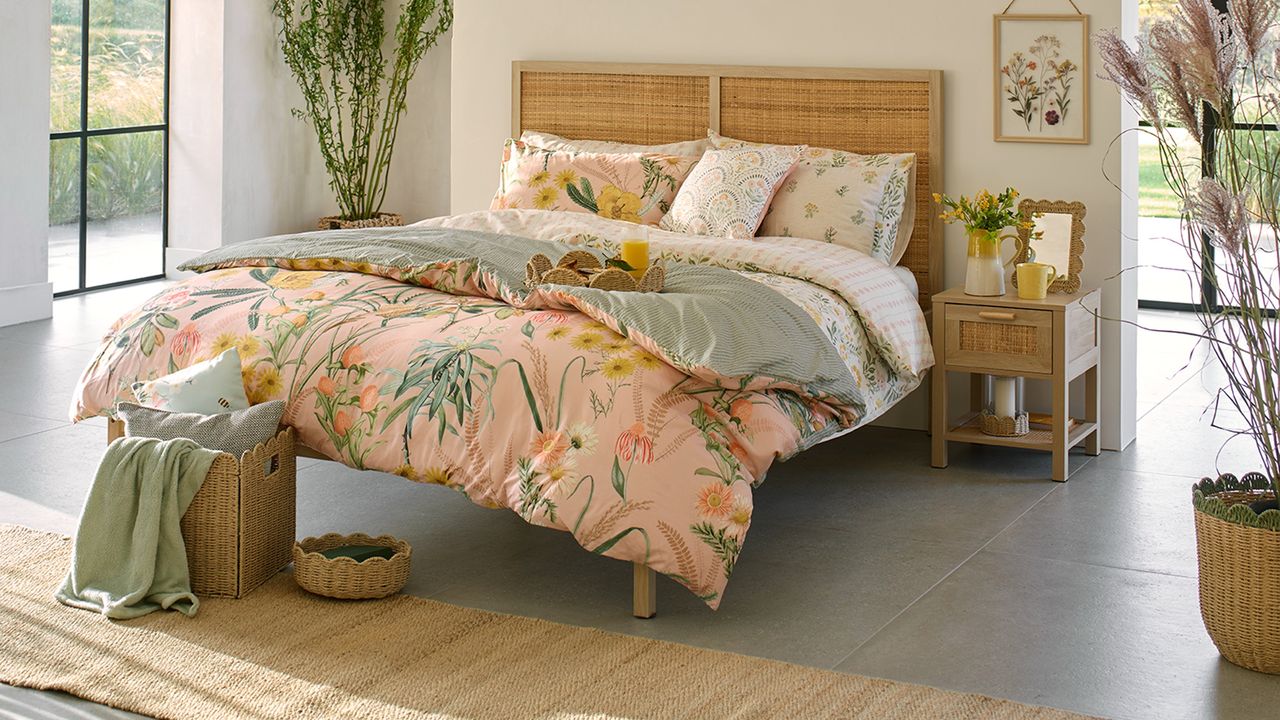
235,432
212,386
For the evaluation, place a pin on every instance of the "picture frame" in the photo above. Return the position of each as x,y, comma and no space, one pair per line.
1062,242
1041,70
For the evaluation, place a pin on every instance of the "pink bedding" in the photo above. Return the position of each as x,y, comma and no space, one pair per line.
637,460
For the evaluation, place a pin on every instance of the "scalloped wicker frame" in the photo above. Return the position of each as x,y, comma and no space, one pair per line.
865,111
1070,281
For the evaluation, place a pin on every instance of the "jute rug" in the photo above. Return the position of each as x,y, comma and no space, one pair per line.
281,652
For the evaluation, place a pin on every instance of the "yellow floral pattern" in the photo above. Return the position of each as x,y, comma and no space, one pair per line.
635,187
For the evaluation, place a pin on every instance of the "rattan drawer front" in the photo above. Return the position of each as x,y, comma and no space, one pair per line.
1000,338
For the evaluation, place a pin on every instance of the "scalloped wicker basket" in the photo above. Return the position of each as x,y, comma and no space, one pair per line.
343,577
240,525
1240,585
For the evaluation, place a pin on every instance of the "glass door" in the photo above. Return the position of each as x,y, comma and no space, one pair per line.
109,136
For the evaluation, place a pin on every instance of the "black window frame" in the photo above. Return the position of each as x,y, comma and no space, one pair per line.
83,135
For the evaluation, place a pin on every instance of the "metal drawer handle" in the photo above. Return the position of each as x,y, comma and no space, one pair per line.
989,315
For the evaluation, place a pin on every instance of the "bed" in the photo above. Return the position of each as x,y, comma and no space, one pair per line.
416,351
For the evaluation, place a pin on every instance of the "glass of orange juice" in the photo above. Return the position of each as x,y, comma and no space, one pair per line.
635,251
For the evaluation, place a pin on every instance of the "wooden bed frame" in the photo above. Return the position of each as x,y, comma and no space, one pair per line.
862,111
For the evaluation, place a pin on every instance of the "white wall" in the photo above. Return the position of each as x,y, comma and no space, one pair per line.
195,129
25,292
245,166
951,35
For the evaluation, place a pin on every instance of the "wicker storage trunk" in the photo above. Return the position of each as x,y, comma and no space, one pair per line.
239,529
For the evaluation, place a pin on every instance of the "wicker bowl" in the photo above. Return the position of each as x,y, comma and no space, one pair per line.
1005,426
382,219
343,577
1238,553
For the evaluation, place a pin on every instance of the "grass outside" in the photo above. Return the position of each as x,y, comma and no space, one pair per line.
1155,197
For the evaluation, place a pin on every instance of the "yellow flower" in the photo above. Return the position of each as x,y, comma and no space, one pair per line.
587,341
618,205
293,280
617,346
268,381
407,472
566,177
617,368
646,360
436,475
545,198
248,346
557,332
539,178
264,385
223,343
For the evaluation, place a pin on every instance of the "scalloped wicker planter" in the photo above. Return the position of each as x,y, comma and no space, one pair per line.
345,578
1239,558
335,222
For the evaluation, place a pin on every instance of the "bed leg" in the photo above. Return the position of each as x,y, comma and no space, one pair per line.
644,591
115,429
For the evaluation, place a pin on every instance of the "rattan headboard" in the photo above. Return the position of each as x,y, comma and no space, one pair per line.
863,111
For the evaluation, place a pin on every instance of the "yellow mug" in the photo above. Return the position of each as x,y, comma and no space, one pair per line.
1034,280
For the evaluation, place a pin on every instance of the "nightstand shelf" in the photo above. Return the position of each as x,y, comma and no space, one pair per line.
1054,340
969,432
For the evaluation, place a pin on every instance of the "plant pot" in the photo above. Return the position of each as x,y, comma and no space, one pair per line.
336,222
1239,557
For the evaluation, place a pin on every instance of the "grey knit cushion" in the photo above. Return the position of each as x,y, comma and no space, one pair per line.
234,432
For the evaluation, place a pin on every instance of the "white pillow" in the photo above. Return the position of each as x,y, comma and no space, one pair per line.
547,141
209,387
864,202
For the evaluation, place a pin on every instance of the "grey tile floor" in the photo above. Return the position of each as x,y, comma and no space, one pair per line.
983,577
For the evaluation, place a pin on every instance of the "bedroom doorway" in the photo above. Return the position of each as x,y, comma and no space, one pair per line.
108,142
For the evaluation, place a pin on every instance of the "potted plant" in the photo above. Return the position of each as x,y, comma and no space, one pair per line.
1195,62
351,97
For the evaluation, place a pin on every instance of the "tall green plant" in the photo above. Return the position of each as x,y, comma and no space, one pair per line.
334,50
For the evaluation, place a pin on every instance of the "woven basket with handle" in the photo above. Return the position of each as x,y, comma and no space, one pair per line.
1239,571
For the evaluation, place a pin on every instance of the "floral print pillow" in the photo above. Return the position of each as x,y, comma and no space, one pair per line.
634,187
862,202
730,189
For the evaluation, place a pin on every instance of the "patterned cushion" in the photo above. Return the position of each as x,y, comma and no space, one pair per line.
729,190
547,141
212,386
633,187
234,432
862,202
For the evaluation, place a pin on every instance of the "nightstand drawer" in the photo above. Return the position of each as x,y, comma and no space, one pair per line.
1008,339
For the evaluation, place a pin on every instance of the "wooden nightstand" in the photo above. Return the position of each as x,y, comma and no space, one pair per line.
1054,339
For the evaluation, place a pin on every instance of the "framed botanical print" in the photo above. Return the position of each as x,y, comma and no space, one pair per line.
1042,78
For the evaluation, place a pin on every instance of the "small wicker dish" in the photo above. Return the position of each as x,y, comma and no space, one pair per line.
1003,425
579,268
343,577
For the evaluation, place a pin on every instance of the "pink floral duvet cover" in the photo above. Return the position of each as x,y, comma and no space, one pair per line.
637,460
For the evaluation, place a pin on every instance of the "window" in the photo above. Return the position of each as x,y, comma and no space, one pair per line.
1166,279
108,142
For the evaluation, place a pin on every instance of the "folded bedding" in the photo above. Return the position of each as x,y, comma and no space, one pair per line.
637,422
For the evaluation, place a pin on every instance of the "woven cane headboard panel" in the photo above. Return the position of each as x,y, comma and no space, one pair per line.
863,111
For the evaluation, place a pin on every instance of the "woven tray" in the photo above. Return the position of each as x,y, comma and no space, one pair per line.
579,268
343,577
